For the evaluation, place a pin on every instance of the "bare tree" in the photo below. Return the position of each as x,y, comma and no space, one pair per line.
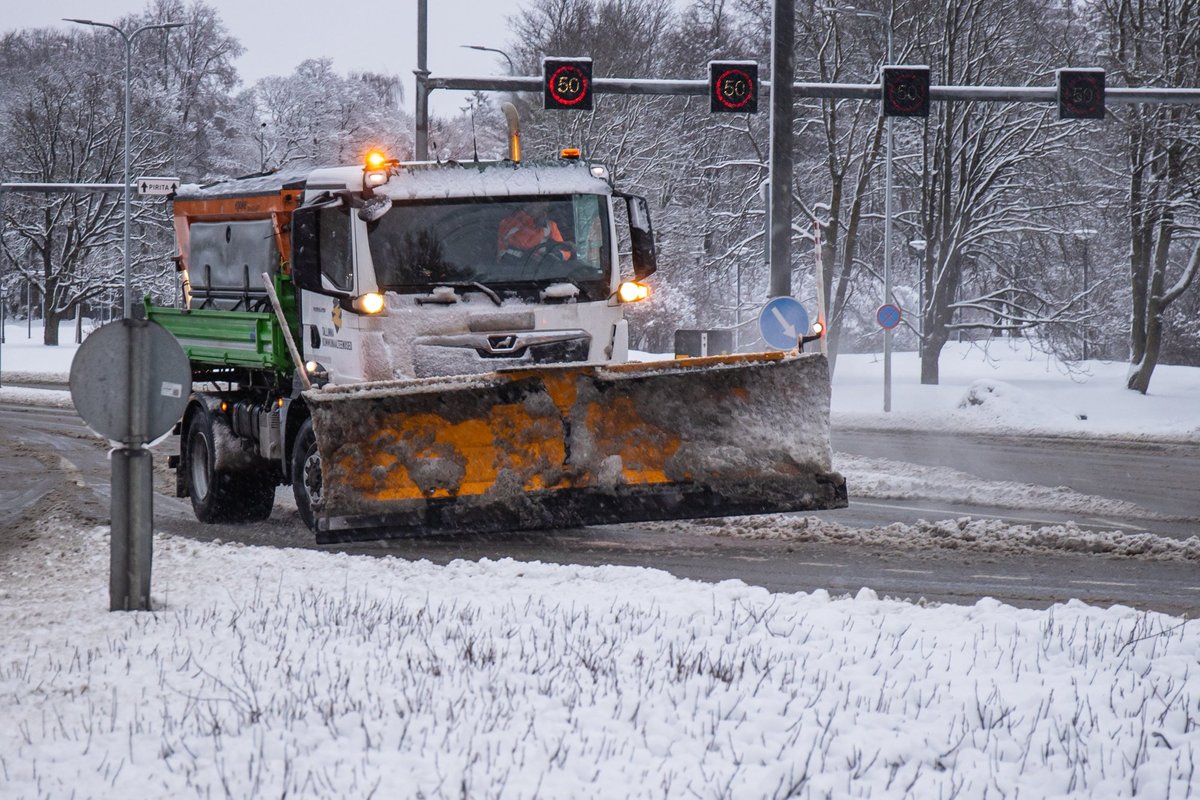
59,128
978,162
1157,42
317,117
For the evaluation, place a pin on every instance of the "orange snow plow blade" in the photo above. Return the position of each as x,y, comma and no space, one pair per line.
568,446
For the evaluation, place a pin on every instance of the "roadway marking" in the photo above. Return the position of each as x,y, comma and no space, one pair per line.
1003,577
1103,583
910,571
819,564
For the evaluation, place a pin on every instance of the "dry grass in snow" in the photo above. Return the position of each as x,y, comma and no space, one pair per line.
273,672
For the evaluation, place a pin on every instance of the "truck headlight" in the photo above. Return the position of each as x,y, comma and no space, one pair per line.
369,303
632,292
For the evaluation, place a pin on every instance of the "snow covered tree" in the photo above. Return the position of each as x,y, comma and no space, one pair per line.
59,127
1157,43
184,86
317,117
977,165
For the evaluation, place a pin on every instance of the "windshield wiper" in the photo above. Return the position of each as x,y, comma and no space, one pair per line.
491,293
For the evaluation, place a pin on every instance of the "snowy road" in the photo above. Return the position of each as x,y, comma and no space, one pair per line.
52,467
1160,477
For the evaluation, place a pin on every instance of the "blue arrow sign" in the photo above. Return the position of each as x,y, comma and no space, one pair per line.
782,322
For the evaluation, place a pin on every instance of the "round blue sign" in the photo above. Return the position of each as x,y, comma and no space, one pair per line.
782,322
888,315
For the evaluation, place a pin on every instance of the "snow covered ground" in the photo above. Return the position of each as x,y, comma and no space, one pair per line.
267,671
1008,386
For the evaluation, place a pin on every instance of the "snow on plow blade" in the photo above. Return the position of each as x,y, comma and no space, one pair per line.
569,446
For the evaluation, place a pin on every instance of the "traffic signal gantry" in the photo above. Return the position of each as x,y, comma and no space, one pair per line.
733,87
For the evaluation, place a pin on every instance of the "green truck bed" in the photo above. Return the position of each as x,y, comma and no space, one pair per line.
220,338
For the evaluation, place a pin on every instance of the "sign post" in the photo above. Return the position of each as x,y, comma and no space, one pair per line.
130,382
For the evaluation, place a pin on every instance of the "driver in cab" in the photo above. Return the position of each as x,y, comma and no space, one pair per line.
528,232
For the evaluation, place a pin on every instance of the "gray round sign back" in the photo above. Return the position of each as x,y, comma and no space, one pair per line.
130,381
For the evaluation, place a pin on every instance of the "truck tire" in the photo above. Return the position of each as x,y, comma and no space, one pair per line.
222,496
306,474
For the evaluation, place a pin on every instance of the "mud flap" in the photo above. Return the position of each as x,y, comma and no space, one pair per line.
571,446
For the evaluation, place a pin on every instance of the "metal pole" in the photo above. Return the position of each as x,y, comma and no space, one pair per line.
128,38
133,489
421,143
829,91
887,247
127,306
782,114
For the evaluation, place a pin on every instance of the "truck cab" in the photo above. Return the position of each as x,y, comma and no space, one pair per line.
427,270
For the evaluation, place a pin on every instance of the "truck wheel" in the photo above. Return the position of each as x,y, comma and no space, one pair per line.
306,474
222,496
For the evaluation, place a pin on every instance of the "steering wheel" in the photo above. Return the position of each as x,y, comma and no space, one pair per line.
551,250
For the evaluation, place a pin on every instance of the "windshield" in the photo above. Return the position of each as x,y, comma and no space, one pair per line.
509,241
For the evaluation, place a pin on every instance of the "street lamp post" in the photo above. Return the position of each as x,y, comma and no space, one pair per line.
127,305
887,203
512,69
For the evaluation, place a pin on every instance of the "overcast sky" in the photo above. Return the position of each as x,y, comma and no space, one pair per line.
279,34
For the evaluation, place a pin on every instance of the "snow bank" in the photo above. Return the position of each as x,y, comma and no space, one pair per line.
51,398
311,674
981,535
884,479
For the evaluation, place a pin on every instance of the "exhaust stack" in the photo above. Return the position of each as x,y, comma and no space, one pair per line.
514,132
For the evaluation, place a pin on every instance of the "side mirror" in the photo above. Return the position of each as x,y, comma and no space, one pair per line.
641,235
306,249
321,248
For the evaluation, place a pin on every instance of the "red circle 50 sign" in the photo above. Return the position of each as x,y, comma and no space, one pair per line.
567,83
733,87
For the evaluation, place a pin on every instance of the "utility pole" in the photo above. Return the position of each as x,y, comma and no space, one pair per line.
421,145
783,69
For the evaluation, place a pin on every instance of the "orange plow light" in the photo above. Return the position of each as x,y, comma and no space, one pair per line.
376,159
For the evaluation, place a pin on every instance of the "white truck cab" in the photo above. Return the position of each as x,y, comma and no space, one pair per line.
432,269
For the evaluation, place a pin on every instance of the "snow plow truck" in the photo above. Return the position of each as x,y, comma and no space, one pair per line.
426,346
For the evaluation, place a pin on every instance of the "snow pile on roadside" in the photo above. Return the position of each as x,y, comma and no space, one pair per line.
884,479
1000,401
312,674
12,376
49,398
981,535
